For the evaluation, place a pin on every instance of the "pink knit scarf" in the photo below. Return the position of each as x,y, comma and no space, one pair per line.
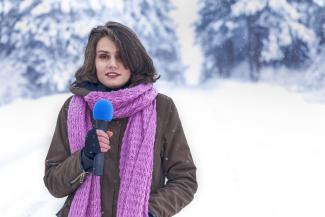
136,158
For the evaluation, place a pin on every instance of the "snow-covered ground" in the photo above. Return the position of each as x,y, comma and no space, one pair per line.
260,151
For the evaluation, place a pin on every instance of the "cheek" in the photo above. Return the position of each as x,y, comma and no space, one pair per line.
128,73
99,67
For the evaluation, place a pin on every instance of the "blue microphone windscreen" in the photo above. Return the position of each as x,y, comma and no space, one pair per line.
103,110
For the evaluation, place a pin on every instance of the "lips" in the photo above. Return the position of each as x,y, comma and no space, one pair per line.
112,74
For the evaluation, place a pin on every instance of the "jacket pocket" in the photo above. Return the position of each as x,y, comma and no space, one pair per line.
80,178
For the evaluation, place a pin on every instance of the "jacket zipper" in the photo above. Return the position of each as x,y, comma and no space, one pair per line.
80,177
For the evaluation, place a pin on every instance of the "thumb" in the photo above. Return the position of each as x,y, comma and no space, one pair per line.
109,133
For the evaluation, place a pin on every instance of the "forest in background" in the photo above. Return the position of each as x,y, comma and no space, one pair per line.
42,42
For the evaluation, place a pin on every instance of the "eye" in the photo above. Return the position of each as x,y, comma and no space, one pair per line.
104,56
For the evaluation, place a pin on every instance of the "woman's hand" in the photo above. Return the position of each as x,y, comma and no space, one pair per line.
96,141
103,139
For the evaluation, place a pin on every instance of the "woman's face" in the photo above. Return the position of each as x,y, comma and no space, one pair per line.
109,67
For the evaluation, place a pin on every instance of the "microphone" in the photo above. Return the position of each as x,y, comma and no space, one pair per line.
102,114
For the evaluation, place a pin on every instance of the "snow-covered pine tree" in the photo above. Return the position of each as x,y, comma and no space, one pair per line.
13,66
59,36
46,40
150,19
222,38
314,16
271,33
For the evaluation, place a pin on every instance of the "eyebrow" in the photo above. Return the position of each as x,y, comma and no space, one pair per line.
103,51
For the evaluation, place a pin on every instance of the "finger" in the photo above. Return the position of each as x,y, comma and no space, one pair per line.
104,149
109,133
101,133
103,145
102,139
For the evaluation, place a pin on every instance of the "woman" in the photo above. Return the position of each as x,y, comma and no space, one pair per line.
149,170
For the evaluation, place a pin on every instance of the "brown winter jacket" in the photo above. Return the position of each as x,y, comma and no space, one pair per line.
174,173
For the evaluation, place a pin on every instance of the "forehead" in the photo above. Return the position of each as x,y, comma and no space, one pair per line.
106,44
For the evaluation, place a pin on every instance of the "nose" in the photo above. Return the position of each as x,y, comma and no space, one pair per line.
112,63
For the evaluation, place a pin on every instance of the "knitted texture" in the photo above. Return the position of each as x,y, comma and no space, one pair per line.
136,158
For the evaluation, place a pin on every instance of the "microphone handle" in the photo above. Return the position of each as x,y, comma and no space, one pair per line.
98,166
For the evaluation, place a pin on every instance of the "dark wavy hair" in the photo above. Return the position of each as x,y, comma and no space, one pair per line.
133,54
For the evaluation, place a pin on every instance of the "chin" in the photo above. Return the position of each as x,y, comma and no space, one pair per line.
113,85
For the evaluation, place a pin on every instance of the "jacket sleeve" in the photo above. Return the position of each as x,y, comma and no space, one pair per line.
63,171
178,168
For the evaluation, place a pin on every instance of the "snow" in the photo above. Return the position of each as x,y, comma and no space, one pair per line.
271,49
6,6
11,81
302,32
25,4
42,8
251,7
26,130
248,7
320,2
95,5
65,7
283,5
259,150
117,4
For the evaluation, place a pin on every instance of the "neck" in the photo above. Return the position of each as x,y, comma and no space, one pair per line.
116,88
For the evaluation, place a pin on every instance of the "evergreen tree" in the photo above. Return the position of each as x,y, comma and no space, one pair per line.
150,20
314,16
58,40
221,37
46,40
42,42
268,32
13,65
